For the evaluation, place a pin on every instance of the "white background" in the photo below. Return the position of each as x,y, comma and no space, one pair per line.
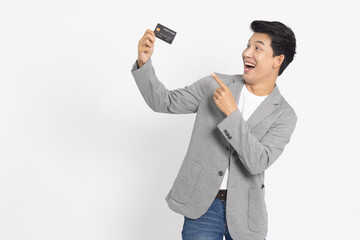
83,157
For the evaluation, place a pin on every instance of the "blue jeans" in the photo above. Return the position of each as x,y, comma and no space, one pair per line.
210,226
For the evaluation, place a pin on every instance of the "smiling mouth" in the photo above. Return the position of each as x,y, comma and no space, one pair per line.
249,67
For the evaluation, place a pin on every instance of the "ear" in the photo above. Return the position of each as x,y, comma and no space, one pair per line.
278,60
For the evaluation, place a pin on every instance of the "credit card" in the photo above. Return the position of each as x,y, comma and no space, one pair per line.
164,33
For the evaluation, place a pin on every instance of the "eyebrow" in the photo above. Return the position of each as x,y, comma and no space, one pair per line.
259,42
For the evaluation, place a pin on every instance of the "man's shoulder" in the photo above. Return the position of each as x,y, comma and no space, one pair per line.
287,108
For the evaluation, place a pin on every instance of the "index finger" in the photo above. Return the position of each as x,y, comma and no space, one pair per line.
150,31
218,80
149,34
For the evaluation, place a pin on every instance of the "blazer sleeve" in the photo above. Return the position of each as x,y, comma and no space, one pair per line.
256,155
160,99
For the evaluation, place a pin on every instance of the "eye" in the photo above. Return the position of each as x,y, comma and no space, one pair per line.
257,48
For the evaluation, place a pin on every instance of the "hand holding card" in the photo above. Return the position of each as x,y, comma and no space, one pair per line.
145,47
146,43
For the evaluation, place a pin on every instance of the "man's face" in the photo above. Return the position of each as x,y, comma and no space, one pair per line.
258,53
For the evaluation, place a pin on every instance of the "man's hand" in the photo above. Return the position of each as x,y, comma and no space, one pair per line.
145,47
223,97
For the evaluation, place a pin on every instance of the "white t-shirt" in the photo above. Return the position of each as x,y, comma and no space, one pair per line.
248,103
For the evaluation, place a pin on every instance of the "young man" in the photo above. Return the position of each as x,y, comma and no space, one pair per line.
242,126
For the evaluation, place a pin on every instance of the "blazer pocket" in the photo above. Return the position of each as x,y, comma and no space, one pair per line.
186,180
257,214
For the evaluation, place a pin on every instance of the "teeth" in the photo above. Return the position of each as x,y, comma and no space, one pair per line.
250,64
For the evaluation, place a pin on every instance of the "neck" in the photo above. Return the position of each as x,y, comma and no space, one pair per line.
262,88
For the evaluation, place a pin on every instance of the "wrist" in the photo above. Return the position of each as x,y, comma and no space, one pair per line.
140,63
229,113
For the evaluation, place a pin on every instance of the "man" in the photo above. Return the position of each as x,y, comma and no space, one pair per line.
242,126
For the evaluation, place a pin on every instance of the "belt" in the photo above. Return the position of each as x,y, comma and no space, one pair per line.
221,195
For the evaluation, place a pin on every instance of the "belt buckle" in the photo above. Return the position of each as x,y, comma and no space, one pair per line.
222,195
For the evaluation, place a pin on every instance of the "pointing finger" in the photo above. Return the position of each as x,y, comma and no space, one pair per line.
218,80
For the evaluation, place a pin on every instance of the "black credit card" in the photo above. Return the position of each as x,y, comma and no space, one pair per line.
164,33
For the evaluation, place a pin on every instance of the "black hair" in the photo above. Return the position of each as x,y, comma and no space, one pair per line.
283,39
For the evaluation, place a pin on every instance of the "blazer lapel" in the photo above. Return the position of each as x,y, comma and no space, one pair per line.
269,105
235,86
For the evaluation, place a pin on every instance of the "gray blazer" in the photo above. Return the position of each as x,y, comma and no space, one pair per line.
248,148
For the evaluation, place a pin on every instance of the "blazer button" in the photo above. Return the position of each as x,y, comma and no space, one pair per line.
225,131
229,137
220,173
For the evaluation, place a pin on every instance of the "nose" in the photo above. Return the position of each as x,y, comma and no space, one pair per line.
247,53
